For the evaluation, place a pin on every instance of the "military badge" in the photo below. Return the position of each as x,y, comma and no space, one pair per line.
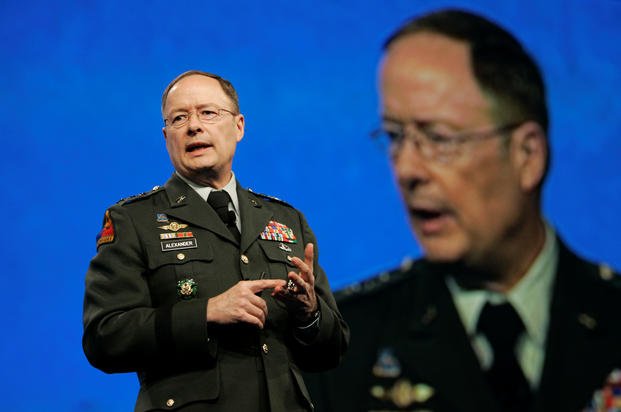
161,217
284,247
607,398
175,235
187,289
174,226
403,394
106,235
278,232
387,365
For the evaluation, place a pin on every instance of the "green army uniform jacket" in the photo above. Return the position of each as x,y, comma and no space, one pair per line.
161,256
410,351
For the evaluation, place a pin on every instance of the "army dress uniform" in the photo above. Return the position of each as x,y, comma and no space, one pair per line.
410,351
161,256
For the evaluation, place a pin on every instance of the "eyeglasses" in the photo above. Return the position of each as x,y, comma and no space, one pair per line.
207,115
432,145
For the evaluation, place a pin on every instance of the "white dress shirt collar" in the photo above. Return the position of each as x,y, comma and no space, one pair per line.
230,188
531,298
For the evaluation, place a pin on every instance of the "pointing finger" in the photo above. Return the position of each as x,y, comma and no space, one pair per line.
262,284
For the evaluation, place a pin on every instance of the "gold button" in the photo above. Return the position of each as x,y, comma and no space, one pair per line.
180,256
170,403
245,259
265,348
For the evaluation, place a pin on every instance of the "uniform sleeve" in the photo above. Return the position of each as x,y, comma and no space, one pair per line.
326,349
122,330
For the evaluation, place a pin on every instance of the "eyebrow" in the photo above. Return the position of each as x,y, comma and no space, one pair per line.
200,106
427,123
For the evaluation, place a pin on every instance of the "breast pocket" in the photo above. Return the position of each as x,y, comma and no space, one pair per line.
279,256
181,274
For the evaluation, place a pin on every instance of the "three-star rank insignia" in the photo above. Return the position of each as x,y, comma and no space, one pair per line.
187,289
278,232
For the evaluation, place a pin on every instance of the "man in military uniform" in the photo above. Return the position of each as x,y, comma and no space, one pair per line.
210,292
499,315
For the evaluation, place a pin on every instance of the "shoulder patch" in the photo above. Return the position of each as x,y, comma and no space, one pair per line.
106,235
140,196
270,198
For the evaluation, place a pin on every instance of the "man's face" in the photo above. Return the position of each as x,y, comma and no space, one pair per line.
202,152
465,209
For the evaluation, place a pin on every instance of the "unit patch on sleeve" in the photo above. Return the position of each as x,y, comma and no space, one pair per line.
106,235
278,232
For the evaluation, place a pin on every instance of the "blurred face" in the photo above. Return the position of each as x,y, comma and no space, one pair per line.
200,150
468,208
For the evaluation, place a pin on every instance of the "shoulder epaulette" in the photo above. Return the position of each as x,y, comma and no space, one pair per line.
143,195
375,283
270,198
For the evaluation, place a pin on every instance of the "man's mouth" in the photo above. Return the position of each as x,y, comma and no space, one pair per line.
430,220
192,147
425,214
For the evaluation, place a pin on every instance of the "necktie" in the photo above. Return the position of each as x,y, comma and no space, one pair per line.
219,200
502,327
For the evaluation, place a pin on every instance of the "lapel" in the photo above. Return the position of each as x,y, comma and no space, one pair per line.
580,344
255,215
438,348
187,205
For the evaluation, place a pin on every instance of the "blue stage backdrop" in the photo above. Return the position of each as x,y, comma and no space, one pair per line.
80,94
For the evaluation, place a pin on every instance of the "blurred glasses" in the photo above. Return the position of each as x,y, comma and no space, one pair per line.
430,144
207,115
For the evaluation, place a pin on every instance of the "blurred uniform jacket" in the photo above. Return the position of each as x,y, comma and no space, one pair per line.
146,298
409,350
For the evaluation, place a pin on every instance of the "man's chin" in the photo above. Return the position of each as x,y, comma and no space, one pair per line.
441,252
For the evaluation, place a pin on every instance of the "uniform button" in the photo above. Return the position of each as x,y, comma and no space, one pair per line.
180,256
170,403
289,258
265,348
245,259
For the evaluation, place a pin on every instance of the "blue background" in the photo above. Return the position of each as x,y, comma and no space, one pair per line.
80,92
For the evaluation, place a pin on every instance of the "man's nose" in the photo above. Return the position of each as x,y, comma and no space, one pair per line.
194,124
409,164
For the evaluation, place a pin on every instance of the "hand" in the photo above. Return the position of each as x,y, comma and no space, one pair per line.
240,304
299,293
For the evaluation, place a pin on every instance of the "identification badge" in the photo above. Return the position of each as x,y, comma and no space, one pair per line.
178,244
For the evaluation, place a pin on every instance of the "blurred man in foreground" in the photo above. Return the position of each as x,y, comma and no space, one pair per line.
499,315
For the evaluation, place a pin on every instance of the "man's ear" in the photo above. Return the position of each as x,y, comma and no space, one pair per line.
240,126
529,148
164,133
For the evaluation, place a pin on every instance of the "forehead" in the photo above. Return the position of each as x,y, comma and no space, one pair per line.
429,76
195,90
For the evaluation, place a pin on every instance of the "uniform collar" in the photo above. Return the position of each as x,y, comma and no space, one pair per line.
230,188
530,297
